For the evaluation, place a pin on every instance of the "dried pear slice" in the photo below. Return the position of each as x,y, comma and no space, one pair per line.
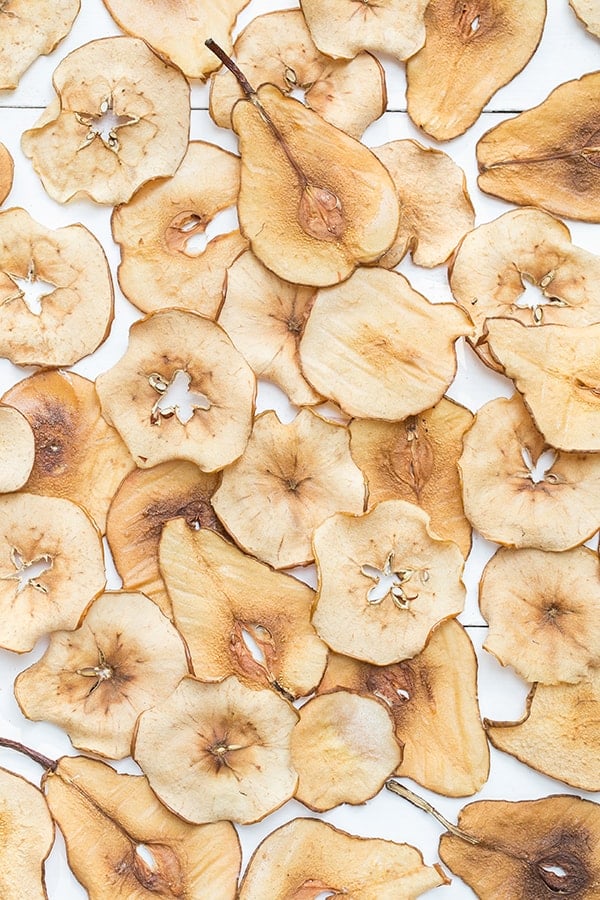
416,460
265,317
588,12
355,735
530,848
385,580
435,207
378,348
95,681
549,156
559,734
238,616
519,491
77,455
144,502
471,50
306,471
181,391
557,370
51,567
433,701
17,449
156,228
109,131
69,320
277,48
122,842
26,838
543,611
7,168
232,744
31,28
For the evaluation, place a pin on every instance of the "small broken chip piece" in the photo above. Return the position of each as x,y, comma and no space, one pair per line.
17,449
7,167
26,838
588,12
31,28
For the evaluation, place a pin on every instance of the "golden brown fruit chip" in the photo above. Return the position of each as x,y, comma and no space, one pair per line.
56,293
433,701
355,735
531,849
588,11
144,502
31,28
77,455
277,48
181,391
265,317
158,228
232,744
385,580
378,348
549,156
306,472
416,460
237,616
435,207
146,851
110,130
518,490
26,838
543,611
6,173
51,567
17,449
471,50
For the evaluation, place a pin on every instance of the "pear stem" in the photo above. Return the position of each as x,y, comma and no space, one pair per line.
396,788
44,761
229,64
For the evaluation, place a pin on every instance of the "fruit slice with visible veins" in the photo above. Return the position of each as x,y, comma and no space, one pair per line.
588,11
17,449
26,838
6,173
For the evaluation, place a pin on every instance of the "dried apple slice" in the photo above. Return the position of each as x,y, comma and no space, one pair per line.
238,616
385,580
416,460
181,391
519,491
51,567
306,472
109,131
72,317
17,449
378,348
588,12
471,50
7,168
77,455
277,48
31,28
157,227
549,156
433,701
232,744
26,838
265,317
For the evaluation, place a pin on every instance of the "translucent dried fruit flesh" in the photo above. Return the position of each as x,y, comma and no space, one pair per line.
6,173
589,13
31,28
26,838
17,449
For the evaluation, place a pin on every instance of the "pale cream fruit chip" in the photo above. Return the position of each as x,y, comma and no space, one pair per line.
51,567
378,348
145,501
7,168
543,612
120,119
433,701
495,262
277,48
17,449
31,28
521,492
181,391
26,838
78,456
95,681
56,293
559,734
232,747
343,749
588,11
435,207
549,156
237,616
122,842
415,460
166,256
265,317
306,472
385,580
471,50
